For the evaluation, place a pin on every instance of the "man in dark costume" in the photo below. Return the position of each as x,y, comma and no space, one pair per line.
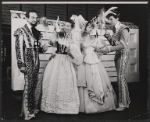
27,52
119,44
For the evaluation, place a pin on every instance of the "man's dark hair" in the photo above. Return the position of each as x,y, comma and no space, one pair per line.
28,12
116,15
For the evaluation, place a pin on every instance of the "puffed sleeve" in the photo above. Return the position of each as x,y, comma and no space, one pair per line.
19,43
76,53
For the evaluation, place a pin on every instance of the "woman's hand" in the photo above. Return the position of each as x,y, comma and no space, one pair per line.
99,55
96,49
103,50
107,36
45,48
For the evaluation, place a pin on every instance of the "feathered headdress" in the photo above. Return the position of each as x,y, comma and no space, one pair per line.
101,18
79,21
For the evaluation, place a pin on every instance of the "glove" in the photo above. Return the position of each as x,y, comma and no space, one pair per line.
107,36
116,48
111,40
103,50
45,48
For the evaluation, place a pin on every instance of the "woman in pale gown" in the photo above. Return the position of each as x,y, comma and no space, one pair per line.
60,92
95,89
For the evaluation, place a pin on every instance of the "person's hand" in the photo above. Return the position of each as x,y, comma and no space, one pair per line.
107,35
45,48
23,70
96,49
99,55
103,50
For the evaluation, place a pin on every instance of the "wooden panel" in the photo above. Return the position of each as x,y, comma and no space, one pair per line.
107,58
44,57
38,8
17,78
6,31
41,70
109,64
114,74
133,63
113,79
111,53
52,11
6,16
110,69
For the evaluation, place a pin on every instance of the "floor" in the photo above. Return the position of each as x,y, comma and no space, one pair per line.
11,106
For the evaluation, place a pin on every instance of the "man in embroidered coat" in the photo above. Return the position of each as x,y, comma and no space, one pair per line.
27,51
119,44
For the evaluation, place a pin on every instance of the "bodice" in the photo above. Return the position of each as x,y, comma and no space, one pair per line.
61,49
87,48
90,55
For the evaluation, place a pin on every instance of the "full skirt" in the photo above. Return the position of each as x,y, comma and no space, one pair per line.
95,90
59,89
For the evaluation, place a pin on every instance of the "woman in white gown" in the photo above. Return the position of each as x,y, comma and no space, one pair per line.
95,89
59,89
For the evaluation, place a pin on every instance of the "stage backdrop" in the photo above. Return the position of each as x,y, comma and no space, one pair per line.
17,78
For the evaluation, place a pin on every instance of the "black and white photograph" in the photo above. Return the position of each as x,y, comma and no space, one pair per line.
74,61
